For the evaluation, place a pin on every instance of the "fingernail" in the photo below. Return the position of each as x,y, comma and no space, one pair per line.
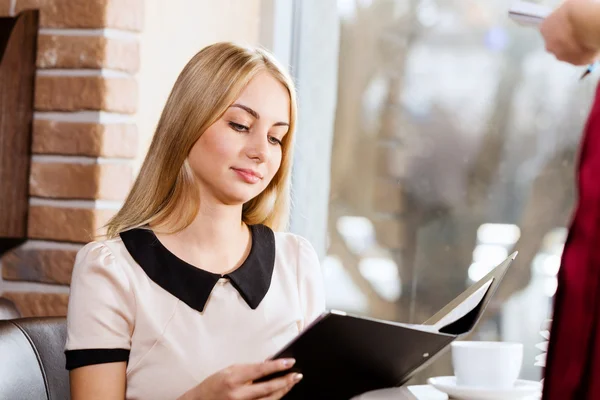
298,377
288,362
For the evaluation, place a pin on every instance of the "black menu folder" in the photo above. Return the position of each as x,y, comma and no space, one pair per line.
342,356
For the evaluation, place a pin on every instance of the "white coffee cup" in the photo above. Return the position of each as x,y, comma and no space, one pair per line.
494,365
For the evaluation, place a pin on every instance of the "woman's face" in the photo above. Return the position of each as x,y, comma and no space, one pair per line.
237,156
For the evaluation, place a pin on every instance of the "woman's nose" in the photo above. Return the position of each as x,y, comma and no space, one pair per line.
258,146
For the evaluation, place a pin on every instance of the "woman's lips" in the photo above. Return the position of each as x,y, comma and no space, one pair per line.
248,175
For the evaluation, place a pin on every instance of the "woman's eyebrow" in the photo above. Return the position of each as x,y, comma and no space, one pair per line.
255,114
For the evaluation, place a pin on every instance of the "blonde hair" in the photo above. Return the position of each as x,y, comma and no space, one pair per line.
211,81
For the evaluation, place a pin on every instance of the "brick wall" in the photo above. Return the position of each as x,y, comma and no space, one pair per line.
84,139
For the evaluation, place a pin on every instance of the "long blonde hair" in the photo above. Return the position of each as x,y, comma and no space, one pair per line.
211,81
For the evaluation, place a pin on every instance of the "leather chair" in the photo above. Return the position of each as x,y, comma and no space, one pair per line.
8,310
32,360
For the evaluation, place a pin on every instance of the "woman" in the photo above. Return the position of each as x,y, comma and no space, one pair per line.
192,289
572,34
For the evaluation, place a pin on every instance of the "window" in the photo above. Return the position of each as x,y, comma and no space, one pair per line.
454,144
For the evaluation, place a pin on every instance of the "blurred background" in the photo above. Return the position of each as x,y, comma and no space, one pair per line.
435,138
455,142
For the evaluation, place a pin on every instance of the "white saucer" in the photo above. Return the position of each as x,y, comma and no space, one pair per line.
448,385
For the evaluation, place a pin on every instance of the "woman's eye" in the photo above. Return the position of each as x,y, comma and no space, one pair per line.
274,140
238,127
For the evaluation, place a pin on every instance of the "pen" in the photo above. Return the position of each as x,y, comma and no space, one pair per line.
590,69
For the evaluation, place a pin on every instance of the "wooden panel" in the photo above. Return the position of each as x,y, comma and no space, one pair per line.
17,76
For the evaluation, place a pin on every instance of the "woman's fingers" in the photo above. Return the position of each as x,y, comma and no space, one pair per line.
272,389
278,395
242,374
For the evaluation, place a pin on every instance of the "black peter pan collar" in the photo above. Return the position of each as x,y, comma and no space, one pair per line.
193,285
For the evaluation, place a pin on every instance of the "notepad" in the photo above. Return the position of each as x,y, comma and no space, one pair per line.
528,14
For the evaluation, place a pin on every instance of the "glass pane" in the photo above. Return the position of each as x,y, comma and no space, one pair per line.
455,144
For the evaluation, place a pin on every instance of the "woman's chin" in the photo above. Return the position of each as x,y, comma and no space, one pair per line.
239,197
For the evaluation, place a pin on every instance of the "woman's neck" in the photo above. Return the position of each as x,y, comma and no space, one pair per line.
215,225
217,240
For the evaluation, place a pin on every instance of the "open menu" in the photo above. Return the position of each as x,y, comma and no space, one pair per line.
342,356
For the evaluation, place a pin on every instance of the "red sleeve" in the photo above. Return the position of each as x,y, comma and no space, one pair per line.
574,337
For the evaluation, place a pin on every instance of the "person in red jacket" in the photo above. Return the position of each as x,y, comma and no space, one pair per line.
572,34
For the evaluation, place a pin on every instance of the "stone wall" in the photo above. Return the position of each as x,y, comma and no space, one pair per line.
84,139
105,69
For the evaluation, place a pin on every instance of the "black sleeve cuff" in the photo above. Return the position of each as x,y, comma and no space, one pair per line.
81,358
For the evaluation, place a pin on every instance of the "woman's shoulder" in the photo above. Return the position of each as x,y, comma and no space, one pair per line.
296,246
101,248
292,239
100,254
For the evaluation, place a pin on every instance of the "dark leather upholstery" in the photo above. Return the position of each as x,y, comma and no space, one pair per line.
32,361
8,310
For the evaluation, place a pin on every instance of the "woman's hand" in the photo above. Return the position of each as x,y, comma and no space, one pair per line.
566,32
236,383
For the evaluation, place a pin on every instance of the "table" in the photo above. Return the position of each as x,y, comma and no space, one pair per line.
417,392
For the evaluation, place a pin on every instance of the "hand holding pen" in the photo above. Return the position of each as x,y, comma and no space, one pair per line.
567,37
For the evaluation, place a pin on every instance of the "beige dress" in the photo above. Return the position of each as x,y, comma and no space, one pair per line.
133,300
